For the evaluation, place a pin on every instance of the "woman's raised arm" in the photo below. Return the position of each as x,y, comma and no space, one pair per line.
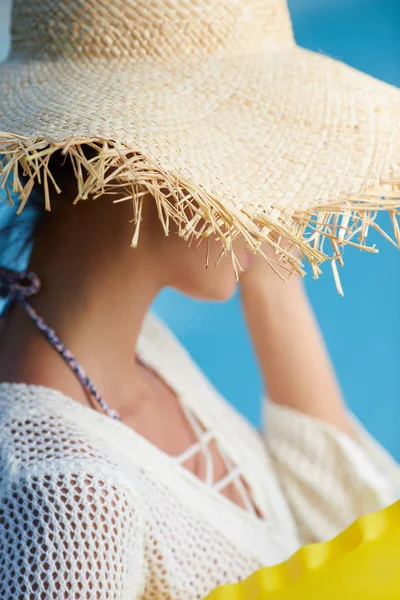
290,350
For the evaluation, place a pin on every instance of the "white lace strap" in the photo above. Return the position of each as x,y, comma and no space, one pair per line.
227,479
204,438
234,476
195,448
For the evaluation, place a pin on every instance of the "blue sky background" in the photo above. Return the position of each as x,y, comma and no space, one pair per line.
362,330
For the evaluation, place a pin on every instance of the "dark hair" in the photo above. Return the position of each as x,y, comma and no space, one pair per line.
18,232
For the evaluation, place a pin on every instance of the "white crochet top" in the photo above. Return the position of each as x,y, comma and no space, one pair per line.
90,510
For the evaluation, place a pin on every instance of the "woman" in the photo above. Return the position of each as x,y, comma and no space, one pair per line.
124,474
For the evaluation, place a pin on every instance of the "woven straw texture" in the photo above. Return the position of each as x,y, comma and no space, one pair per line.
211,107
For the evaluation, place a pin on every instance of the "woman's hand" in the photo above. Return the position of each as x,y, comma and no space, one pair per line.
271,269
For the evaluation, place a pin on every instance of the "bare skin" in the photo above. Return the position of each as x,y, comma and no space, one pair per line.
96,292
290,350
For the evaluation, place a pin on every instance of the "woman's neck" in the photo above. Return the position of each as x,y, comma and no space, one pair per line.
95,294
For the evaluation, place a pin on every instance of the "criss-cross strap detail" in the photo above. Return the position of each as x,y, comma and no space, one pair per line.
204,438
234,473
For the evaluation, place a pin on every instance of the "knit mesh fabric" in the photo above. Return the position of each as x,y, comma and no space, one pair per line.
90,510
72,525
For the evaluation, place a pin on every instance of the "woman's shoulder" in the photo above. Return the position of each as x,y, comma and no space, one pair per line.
62,500
43,431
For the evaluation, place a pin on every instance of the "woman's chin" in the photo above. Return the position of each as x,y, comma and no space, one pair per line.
225,294
220,291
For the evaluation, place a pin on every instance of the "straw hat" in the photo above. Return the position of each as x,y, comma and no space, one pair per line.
212,107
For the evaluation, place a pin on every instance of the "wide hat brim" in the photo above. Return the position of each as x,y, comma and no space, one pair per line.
269,144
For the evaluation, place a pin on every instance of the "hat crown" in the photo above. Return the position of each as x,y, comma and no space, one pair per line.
139,28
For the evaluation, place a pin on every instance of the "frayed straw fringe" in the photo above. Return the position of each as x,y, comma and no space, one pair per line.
197,213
